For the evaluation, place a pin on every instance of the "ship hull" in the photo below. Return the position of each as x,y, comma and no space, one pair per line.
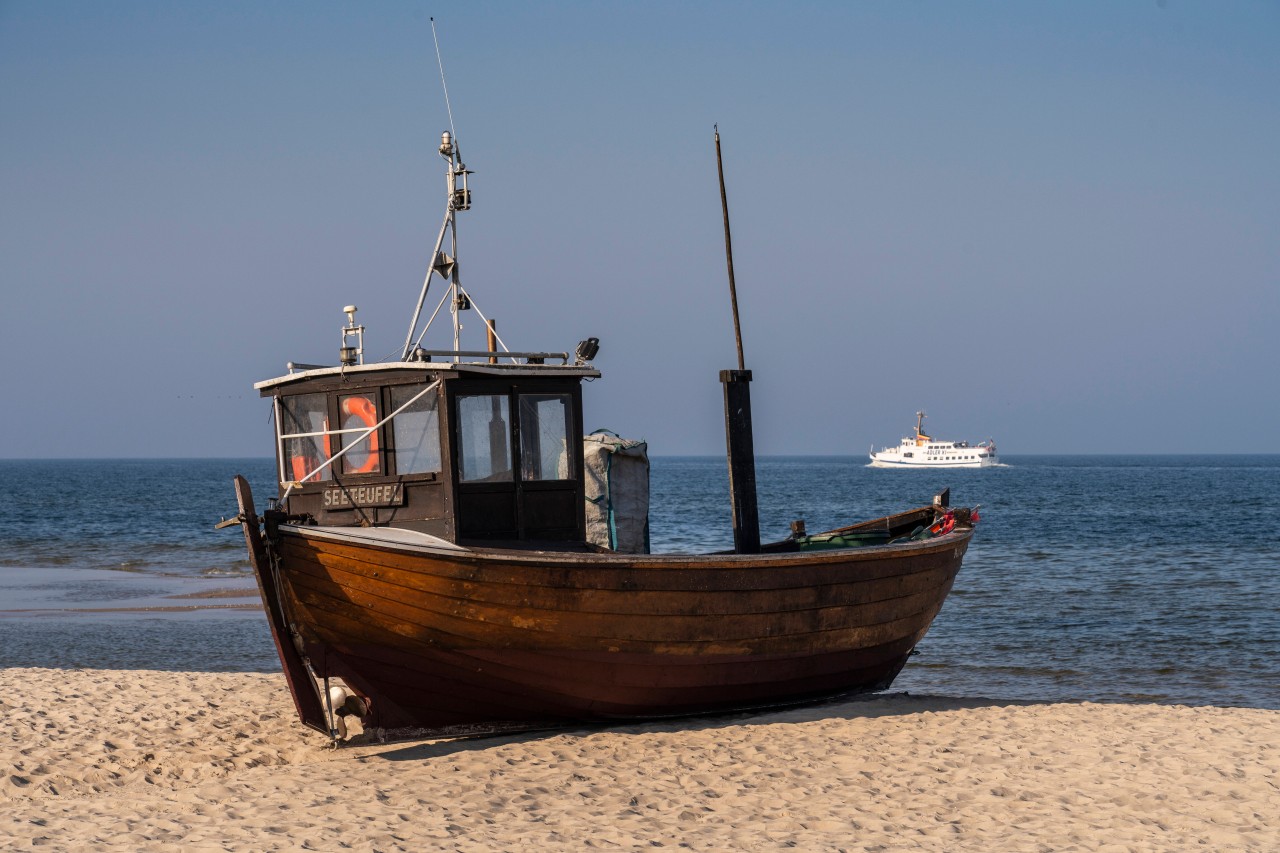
435,638
878,461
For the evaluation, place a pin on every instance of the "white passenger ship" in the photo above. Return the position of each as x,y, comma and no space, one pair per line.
923,451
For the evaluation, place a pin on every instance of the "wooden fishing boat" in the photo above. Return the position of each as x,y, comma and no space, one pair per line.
433,634
428,548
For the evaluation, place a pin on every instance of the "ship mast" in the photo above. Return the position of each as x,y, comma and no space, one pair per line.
739,443
458,197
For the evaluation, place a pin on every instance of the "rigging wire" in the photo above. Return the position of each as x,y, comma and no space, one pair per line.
476,307
447,294
485,320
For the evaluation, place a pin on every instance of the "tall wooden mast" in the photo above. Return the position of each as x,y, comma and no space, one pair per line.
737,411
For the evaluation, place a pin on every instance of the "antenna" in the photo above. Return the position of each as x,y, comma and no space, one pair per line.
458,198
443,85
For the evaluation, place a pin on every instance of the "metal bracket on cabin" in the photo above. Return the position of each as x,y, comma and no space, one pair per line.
449,353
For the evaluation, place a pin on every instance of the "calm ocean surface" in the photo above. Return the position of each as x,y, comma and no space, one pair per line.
1106,578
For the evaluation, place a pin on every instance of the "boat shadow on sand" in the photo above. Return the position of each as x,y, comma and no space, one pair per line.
427,746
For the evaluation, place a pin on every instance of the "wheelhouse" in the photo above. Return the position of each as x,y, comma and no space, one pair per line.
460,450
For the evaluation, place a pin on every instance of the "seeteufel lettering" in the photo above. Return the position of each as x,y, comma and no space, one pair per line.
386,494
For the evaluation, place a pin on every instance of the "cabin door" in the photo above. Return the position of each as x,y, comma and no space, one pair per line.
518,465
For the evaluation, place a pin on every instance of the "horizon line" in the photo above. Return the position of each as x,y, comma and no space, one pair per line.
654,456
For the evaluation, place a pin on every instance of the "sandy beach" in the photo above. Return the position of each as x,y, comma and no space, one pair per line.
143,760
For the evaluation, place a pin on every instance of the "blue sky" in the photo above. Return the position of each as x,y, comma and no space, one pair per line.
1054,224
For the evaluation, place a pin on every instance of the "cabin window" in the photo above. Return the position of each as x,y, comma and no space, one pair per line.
484,452
417,431
358,412
544,437
304,420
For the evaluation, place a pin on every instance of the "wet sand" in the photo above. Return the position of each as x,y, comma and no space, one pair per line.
45,591
144,760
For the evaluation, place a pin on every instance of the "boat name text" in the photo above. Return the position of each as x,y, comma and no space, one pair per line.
347,497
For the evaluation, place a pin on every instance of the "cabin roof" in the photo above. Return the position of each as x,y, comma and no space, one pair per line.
298,373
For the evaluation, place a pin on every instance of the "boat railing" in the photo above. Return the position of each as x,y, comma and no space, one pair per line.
529,357
421,355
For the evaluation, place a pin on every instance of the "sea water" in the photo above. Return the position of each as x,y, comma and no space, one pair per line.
1105,578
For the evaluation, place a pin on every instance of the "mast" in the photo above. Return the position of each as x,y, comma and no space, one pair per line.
737,411
920,433
458,198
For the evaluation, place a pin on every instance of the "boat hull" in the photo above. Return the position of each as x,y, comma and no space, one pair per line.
878,461
436,638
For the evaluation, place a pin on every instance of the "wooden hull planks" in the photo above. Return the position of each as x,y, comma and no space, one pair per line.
489,637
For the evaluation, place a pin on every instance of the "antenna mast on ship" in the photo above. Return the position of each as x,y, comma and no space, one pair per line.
459,198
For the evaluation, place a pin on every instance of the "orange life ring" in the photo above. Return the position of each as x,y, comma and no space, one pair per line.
361,409
301,466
